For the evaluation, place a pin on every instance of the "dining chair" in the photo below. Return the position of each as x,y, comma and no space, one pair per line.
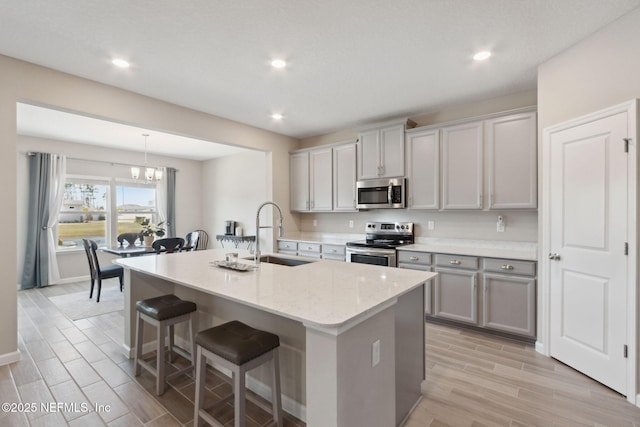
191,241
168,245
100,273
203,240
130,238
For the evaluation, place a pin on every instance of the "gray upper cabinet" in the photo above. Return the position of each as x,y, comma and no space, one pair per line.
323,179
381,151
344,177
462,166
310,180
423,169
512,154
299,181
320,180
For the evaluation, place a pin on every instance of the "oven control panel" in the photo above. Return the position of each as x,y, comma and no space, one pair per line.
389,227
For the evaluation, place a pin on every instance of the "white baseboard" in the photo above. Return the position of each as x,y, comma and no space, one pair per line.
638,400
8,358
540,348
68,280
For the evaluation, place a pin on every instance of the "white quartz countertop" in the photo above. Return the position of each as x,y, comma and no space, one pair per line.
483,248
326,238
323,293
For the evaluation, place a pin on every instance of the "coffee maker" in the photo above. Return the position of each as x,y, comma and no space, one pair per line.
230,228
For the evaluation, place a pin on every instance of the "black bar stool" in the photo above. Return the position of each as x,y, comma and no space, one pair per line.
239,348
162,312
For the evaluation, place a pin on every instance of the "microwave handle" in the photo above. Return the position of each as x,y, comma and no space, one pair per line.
389,193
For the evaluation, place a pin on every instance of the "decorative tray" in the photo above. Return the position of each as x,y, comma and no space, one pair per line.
237,266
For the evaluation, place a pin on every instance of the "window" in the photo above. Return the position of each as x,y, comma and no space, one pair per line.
84,213
102,209
134,204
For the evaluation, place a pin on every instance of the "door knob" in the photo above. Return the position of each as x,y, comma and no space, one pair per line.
554,257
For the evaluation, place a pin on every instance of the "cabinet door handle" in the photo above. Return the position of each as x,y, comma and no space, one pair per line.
455,262
414,258
507,267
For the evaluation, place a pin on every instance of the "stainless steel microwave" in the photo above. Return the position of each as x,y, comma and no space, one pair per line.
383,193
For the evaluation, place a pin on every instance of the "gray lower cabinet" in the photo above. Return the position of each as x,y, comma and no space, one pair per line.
456,291
491,293
416,260
288,247
509,297
334,252
312,249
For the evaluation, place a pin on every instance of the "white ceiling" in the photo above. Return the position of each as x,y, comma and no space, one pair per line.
351,61
54,124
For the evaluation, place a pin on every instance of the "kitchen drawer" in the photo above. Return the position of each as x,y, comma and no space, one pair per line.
307,247
509,266
333,251
287,246
414,257
457,261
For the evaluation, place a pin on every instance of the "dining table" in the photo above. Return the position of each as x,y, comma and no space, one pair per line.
125,251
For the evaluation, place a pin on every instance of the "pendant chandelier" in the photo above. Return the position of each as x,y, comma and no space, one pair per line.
150,173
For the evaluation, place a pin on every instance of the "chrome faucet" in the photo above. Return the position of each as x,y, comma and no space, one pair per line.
256,256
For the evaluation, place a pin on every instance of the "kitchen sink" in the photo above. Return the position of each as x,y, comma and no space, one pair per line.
290,262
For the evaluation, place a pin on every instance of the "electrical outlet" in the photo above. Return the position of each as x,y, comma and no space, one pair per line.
500,224
375,353
431,225
315,222
350,223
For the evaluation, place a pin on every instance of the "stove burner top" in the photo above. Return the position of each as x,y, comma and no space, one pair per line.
386,235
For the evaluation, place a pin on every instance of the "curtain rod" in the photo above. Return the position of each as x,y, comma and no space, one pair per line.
32,153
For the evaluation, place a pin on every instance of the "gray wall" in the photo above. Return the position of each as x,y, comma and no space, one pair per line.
601,71
26,82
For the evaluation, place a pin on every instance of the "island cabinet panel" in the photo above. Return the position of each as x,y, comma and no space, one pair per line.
423,169
344,177
417,260
512,156
462,166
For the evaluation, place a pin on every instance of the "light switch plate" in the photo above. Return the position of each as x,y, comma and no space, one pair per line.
375,353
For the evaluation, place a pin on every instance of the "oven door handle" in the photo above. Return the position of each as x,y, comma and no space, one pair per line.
376,252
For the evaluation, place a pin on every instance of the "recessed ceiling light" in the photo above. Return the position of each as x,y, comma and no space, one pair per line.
481,56
277,116
278,63
121,63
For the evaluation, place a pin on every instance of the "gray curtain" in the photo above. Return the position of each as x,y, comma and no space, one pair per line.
36,261
171,202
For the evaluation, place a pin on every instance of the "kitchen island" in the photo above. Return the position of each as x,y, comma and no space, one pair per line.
352,335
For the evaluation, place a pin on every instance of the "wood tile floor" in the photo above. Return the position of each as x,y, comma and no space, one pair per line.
474,380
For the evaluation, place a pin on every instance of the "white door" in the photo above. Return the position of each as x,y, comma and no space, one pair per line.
587,235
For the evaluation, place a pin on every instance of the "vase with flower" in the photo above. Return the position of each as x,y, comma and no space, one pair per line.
150,231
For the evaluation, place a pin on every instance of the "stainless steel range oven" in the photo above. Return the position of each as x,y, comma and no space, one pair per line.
379,246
